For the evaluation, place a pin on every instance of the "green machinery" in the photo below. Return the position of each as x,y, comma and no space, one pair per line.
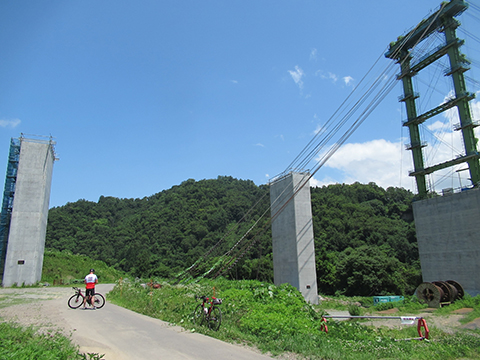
444,21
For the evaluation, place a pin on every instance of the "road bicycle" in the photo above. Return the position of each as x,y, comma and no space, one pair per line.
76,300
210,315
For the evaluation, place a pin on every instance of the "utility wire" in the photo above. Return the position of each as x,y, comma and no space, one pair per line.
378,90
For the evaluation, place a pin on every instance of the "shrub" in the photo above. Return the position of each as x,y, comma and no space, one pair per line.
26,343
354,310
386,306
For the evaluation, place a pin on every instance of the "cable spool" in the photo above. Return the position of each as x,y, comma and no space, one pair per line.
449,291
460,291
430,294
437,293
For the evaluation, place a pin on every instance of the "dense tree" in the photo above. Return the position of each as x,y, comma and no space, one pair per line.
364,235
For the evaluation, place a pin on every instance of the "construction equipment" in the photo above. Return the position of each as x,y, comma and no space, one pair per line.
439,293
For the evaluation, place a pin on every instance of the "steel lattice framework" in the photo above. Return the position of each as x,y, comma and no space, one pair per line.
444,21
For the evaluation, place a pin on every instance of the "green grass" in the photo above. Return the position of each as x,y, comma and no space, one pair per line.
466,302
409,305
27,343
277,320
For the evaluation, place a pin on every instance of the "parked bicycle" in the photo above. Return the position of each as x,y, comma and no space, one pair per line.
208,312
76,300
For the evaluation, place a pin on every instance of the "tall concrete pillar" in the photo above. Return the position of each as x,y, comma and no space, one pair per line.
448,238
292,234
28,224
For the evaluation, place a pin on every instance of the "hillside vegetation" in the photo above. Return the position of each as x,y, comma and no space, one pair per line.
65,268
365,240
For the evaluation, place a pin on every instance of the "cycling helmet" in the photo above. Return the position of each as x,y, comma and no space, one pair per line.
92,270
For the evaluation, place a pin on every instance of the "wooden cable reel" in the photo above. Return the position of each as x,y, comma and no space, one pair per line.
437,293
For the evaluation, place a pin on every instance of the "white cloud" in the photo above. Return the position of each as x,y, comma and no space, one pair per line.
324,182
379,161
328,76
347,80
313,54
297,76
388,163
318,129
234,81
10,123
475,106
437,125
332,77
259,144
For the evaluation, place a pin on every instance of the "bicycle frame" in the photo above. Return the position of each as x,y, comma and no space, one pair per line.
210,313
78,299
205,301
78,292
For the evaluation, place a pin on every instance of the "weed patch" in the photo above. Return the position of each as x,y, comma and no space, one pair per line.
26,343
276,319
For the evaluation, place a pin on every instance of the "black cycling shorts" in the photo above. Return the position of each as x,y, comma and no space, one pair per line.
90,292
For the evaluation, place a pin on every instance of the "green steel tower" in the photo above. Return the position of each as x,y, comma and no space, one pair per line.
444,21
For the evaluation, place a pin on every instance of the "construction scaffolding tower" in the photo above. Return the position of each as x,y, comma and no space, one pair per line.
442,21
8,194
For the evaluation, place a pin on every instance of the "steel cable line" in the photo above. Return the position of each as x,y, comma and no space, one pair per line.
436,182
378,98
471,35
333,117
394,55
373,104
472,81
313,149
216,246
364,115
242,250
314,152
316,148
333,125
475,8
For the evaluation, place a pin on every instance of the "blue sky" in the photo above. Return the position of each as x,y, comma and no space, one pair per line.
142,95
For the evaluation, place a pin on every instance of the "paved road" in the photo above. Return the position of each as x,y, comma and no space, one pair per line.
122,334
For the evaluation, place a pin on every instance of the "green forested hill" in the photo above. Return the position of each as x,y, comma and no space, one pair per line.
364,235
365,240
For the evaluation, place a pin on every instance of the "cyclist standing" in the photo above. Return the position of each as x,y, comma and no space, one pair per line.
90,281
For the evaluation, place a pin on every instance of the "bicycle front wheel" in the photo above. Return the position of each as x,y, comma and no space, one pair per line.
215,319
75,301
99,300
199,315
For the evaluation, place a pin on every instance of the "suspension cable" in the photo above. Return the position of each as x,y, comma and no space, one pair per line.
379,89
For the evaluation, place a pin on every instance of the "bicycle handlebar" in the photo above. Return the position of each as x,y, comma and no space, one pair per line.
213,300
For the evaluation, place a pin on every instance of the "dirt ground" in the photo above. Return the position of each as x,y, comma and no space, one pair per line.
449,323
28,306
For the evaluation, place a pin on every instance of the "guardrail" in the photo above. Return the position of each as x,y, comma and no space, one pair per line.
405,320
